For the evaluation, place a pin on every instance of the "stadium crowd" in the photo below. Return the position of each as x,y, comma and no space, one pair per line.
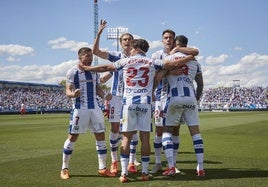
234,98
35,99
46,99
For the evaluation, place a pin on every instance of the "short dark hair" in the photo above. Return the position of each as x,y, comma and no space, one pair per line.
182,40
140,43
84,49
169,31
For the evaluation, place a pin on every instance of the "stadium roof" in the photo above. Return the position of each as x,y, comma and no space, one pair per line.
27,84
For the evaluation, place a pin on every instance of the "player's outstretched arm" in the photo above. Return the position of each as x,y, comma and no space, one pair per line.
99,68
96,48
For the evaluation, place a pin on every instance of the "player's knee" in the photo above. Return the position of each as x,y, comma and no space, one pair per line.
168,129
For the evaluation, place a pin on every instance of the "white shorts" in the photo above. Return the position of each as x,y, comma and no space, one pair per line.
159,114
136,117
86,119
115,109
178,107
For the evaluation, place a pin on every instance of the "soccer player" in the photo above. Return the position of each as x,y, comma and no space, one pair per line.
183,102
138,74
115,104
82,88
161,93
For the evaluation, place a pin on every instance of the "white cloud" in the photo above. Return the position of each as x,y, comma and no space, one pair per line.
216,60
12,59
251,70
155,44
63,43
37,74
16,50
200,59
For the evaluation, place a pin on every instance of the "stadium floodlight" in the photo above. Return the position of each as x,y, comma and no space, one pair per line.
114,34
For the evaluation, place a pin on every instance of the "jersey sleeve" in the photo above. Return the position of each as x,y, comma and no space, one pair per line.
157,55
70,76
113,56
119,64
158,64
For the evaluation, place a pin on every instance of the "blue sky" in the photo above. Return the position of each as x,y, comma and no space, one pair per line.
39,39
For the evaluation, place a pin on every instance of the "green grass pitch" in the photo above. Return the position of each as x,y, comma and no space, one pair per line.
236,153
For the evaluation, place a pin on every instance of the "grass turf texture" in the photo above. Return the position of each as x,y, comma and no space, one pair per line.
236,153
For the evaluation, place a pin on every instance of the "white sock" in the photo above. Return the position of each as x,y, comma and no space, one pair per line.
145,164
199,150
114,145
168,148
102,153
67,153
124,160
133,145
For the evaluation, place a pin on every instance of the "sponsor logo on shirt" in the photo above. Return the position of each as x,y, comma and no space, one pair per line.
137,108
133,90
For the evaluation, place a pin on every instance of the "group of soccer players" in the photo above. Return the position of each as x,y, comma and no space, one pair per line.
170,73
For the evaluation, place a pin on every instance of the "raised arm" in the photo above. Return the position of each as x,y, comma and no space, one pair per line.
96,49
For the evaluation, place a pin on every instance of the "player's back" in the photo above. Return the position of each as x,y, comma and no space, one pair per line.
138,74
183,85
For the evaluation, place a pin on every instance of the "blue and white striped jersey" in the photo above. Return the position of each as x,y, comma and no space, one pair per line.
138,76
117,87
161,92
183,85
86,82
